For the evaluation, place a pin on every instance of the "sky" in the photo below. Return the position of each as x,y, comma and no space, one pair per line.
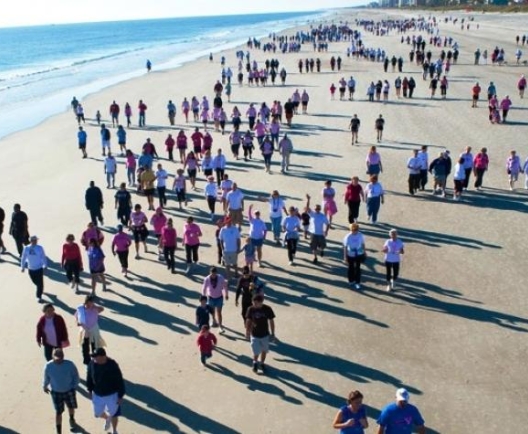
37,12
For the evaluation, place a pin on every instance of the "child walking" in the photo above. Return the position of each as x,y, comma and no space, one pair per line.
206,342
249,253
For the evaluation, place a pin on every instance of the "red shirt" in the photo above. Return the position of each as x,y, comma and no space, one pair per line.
71,252
353,193
206,343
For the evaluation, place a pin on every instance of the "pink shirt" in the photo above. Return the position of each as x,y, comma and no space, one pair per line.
260,129
121,242
168,236
138,218
214,291
373,158
158,221
191,234
131,161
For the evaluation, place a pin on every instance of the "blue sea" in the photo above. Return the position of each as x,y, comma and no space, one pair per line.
43,67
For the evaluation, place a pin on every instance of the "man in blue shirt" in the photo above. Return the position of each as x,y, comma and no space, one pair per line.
400,416
82,138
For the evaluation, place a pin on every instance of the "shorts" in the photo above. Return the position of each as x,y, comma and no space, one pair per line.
318,242
475,97
95,271
106,403
513,176
440,179
105,143
259,345
180,195
257,242
61,398
207,172
191,173
82,145
236,216
230,258
149,192
217,302
140,233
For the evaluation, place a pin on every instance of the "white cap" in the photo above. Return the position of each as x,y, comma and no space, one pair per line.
402,395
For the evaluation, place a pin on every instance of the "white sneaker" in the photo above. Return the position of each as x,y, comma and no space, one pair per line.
358,286
291,262
392,284
388,288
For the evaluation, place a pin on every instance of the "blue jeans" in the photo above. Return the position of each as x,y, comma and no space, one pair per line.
131,175
276,226
373,206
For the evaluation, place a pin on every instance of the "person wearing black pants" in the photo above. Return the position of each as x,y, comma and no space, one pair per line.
468,166
353,197
94,203
19,228
393,249
291,244
34,259
291,225
168,254
481,162
354,254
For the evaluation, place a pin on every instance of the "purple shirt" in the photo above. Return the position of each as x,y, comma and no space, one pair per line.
214,290
121,242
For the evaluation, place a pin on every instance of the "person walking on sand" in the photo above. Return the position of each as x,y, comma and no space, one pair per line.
439,169
459,177
354,254
257,232
96,259
505,106
158,221
513,168
142,110
106,388
392,249
34,259
413,166
169,242
87,318
82,139
291,226
71,261
146,180
375,197
352,198
329,203
206,342
51,331
18,228
105,139
191,240
161,185
123,204
480,166
215,287
379,126
319,226
475,94
94,202
285,151
229,237
110,169
235,205
352,418
276,208
373,162
138,221
400,416
60,381
521,86
260,331
354,128
120,246
468,165
248,286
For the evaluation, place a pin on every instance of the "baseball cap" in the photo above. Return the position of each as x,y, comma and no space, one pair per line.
402,395
99,352
33,238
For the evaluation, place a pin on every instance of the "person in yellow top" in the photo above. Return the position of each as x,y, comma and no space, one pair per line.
147,178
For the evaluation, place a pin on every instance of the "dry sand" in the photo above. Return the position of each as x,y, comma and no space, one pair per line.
454,333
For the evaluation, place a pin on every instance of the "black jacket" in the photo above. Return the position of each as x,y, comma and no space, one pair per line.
93,198
105,379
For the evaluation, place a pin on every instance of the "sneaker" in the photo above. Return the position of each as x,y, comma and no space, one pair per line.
291,262
108,423
72,284
255,367
392,284
222,330
137,255
263,368
388,288
73,425
358,286
315,260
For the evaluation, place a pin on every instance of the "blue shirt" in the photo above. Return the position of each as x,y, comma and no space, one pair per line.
400,420
347,414
145,160
82,136
121,136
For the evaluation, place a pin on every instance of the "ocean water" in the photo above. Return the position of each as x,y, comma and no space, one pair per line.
43,67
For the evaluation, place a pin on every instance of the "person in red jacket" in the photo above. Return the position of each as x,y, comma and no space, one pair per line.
476,92
72,261
51,331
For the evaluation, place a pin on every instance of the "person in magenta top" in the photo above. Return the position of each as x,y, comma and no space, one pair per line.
505,105
521,85
329,203
131,166
207,143
120,246
193,166
185,109
138,221
169,242
196,139
158,221
191,240
260,131
215,287
204,117
206,342
274,130
142,109
91,232
181,144
169,146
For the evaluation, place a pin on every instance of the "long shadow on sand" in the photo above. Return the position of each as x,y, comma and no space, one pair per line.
4,430
156,401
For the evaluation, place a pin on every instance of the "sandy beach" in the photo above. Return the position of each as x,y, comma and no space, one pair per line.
453,333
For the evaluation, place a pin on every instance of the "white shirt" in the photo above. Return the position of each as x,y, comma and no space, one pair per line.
468,160
276,205
234,199
317,223
373,190
424,160
33,258
414,164
394,248
354,244
229,237
460,172
110,165
161,178
210,189
257,229
291,223
219,162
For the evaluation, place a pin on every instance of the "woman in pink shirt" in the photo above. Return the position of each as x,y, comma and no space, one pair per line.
329,203
274,130
373,162
260,132
215,287
185,109
505,105
138,221
191,241
204,117
120,245
181,144
193,166
131,166
169,243
158,221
